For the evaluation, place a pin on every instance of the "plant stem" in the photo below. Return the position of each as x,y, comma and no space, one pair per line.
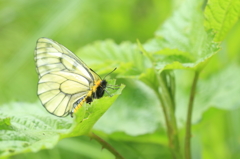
189,118
166,98
172,133
167,104
172,88
105,145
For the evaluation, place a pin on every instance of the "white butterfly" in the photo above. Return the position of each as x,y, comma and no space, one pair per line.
65,81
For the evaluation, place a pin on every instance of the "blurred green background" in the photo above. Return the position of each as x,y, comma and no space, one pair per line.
80,22
71,23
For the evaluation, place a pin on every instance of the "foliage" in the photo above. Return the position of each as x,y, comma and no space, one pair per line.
149,118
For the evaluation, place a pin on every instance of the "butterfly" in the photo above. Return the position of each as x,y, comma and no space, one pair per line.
65,81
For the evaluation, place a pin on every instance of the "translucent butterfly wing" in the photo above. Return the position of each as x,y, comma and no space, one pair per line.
51,56
64,78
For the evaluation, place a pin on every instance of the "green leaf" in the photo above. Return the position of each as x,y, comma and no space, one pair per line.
157,137
150,79
137,111
28,127
86,118
221,139
221,15
179,60
221,90
104,56
182,42
30,131
6,124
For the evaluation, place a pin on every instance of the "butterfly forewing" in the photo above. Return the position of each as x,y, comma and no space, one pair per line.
63,77
51,56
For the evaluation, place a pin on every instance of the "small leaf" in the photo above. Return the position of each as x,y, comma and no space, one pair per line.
5,124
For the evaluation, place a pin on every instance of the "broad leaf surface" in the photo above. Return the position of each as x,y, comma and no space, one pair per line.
28,127
182,42
104,56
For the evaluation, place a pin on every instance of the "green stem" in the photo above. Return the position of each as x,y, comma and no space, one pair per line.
168,106
172,135
169,114
172,88
189,118
105,145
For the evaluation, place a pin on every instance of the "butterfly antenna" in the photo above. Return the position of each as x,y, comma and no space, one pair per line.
113,87
108,93
109,73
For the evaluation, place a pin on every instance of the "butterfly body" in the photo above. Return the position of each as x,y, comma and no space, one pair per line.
65,81
97,92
